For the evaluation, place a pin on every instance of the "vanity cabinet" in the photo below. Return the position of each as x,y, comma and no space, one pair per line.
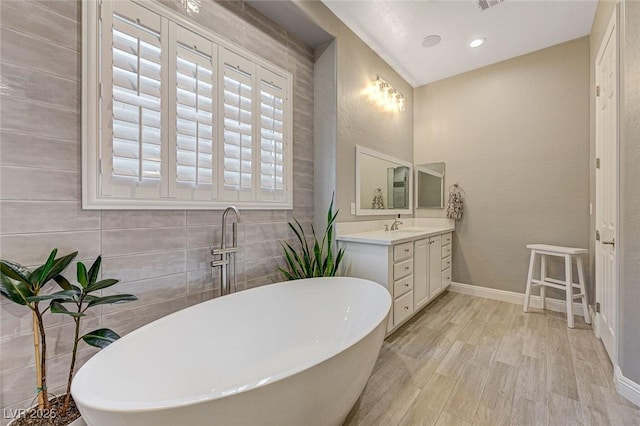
414,272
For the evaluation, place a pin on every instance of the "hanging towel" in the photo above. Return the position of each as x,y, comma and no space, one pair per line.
454,206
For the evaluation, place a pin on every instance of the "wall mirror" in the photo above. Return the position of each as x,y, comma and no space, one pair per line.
383,184
430,186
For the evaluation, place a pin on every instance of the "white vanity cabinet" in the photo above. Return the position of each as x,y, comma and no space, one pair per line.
415,269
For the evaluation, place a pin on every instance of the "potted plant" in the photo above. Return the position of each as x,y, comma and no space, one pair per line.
23,287
317,259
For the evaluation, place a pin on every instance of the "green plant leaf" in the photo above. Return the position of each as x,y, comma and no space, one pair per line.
101,284
63,282
287,274
95,270
100,338
110,300
16,292
41,273
62,296
58,308
59,265
15,271
291,263
81,272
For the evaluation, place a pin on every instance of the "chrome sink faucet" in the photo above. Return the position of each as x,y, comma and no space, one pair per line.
394,225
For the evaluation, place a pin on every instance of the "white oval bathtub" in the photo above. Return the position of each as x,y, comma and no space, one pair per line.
292,353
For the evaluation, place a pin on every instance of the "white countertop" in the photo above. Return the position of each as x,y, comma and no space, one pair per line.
402,235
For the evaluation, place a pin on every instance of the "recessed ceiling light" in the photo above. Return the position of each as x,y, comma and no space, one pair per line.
478,42
431,40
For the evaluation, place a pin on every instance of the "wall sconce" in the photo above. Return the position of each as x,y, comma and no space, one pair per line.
386,96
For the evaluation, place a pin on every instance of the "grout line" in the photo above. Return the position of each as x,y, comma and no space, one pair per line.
55,12
48,138
77,172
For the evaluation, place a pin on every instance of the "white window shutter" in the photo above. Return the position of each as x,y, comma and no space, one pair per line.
237,81
193,172
132,132
273,144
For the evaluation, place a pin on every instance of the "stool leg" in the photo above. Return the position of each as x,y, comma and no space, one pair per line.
568,270
543,278
583,290
527,294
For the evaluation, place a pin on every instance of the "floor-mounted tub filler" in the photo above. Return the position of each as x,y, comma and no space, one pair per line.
293,353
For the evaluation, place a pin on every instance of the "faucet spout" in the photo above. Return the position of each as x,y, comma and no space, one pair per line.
228,210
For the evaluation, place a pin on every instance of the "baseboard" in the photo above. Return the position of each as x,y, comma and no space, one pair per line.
627,387
513,297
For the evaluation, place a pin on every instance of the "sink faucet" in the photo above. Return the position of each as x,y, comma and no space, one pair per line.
394,225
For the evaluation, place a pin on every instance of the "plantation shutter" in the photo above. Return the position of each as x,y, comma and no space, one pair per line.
273,101
194,174
238,117
132,139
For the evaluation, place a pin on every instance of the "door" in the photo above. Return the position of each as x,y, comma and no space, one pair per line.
607,189
435,265
421,273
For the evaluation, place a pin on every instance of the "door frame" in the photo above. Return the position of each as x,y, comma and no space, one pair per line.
613,25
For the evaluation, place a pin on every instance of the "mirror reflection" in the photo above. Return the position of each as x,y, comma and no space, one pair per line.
383,184
430,185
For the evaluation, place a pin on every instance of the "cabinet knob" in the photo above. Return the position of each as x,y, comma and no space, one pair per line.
406,268
406,250
406,284
406,308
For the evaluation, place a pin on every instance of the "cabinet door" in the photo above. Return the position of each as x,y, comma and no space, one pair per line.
435,265
420,273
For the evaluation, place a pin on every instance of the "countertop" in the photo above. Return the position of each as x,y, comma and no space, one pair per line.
389,238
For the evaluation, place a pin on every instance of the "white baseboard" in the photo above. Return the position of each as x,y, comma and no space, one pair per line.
513,297
627,387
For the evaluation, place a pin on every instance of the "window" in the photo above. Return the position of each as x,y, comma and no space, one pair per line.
174,117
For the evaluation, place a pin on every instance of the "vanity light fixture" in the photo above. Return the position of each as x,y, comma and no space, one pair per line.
386,96
478,42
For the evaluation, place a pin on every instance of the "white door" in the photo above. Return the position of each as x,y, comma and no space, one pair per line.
607,188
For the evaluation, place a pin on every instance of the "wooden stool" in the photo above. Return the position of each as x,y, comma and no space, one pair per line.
568,253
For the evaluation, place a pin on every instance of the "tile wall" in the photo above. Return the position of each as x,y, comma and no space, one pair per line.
161,256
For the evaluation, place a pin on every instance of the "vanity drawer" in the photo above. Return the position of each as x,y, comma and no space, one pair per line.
446,277
402,251
446,251
402,308
446,263
402,269
446,239
402,286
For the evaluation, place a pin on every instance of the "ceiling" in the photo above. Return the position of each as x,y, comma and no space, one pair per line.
394,29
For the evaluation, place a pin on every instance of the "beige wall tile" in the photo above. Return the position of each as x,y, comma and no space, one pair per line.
125,219
143,266
46,216
33,249
40,55
43,152
34,85
35,20
20,116
21,183
135,241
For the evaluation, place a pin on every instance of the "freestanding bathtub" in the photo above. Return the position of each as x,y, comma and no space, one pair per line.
292,353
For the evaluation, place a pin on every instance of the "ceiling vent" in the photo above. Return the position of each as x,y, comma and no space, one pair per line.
486,4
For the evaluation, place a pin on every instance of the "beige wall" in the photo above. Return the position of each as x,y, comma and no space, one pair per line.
515,136
360,122
161,256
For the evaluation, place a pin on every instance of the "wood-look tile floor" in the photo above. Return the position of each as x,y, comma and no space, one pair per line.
470,361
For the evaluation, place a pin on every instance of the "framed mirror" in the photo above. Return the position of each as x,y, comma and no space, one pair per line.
430,186
383,184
